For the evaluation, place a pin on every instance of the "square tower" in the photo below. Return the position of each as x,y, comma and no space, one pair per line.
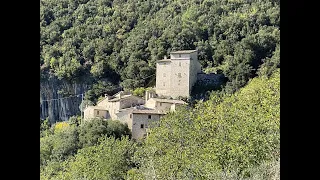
176,76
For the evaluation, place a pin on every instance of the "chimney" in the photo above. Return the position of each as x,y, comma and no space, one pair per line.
147,95
120,94
106,96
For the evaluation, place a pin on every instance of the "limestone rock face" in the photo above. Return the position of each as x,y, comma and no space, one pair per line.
61,109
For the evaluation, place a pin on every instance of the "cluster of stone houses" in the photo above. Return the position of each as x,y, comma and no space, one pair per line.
174,78
135,111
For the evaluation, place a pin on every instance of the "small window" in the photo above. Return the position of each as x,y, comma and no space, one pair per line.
179,63
160,104
141,126
97,112
179,75
130,115
164,74
179,55
164,84
149,116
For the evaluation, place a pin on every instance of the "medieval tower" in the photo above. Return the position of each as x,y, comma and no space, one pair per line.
176,76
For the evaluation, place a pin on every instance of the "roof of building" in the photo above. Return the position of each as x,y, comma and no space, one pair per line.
183,51
103,99
97,107
147,111
140,110
174,101
123,97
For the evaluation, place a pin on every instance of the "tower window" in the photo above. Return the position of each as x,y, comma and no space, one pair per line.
130,115
149,116
97,112
179,63
164,84
141,126
179,75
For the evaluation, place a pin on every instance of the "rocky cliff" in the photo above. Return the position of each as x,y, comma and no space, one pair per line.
58,99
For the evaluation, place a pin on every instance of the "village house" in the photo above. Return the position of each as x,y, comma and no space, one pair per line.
175,78
138,119
110,105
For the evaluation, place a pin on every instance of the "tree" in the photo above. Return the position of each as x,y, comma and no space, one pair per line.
221,138
108,160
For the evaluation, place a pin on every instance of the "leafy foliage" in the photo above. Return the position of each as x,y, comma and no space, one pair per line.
226,134
111,159
66,138
121,40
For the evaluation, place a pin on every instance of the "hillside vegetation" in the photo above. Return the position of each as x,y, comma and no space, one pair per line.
105,42
114,44
227,137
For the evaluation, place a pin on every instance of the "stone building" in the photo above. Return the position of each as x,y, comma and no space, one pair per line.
138,119
163,104
176,76
112,104
96,111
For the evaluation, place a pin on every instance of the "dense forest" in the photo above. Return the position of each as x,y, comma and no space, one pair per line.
112,43
101,46
227,137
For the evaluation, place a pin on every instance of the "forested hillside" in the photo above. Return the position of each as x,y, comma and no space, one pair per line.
227,137
101,46
105,42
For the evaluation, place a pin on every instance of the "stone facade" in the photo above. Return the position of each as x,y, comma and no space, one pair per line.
176,76
164,105
96,111
113,104
140,122
138,119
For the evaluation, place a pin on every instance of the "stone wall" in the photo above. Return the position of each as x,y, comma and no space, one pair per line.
137,120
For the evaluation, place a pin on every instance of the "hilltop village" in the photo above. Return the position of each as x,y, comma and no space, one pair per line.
175,77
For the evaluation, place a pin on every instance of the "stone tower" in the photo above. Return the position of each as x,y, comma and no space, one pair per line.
176,76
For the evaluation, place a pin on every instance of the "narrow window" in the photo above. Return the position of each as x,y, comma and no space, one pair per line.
179,63
130,115
160,104
141,126
97,112
179,75
149,116
164,84
179,55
